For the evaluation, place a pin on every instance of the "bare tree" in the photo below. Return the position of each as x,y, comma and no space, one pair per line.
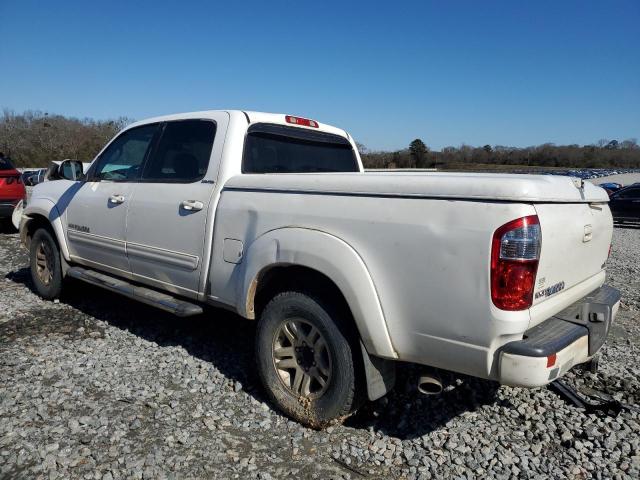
36,138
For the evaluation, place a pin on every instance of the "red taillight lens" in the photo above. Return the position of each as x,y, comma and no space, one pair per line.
301,121
515,251
10,179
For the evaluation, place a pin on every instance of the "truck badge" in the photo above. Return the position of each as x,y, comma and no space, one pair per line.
547,292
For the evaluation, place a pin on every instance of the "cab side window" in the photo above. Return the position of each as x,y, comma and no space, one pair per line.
122,160
182,153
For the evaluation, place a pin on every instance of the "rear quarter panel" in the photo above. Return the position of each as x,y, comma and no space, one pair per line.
428,259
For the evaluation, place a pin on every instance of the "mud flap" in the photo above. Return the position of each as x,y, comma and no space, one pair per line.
380,374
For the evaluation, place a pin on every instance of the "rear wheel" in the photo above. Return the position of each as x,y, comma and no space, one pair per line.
46,270
305,359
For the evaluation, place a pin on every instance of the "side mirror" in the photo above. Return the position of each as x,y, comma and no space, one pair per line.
70,170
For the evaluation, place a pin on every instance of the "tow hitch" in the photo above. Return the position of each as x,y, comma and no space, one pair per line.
602,406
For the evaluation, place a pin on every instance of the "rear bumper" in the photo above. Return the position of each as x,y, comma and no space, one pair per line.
7,206
570,337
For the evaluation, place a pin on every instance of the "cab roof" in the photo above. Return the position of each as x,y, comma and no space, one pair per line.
250,116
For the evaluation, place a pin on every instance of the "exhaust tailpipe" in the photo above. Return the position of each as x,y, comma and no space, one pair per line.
429,385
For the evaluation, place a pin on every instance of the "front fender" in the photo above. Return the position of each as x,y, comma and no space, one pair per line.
330,256
43,207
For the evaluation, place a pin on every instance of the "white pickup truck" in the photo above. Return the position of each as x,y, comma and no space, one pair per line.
346,272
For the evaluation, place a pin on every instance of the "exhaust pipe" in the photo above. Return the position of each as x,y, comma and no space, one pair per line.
429,385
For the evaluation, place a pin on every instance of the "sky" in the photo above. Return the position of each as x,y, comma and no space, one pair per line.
448,72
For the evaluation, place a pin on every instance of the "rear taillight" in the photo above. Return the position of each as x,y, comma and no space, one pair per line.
515,251
10,179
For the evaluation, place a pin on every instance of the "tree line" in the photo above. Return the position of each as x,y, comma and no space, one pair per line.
603,154
34,139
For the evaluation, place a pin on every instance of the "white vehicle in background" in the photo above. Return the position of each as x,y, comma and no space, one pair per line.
272,216
32,177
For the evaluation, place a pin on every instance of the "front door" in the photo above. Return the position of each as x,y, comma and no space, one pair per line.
167,219
96,213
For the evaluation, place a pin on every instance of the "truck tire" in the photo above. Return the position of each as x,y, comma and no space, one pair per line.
305,360
46,270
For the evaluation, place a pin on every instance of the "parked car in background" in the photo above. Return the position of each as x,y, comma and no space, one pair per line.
625,203
35,177
611,187
12,189
25,174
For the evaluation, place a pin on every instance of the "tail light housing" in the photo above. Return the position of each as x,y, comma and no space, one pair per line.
301,121
10,179
515,252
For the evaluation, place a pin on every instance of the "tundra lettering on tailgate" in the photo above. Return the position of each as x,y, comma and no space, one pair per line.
547,292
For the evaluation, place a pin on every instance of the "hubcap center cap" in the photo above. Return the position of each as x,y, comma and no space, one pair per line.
305,356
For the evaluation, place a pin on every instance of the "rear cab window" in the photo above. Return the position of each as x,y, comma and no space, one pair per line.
5,164
271,148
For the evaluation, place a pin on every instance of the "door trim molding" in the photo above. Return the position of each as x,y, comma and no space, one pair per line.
93,240
162,256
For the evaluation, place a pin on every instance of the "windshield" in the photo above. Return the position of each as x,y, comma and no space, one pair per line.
279,149
5,164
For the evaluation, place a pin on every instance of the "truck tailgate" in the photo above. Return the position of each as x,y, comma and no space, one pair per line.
575,246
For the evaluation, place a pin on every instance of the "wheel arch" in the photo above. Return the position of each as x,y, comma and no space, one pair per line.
293,250
43,212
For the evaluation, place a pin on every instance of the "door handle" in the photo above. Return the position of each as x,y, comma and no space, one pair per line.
192,205
116,199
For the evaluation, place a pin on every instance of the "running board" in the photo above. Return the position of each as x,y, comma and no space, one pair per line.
151,297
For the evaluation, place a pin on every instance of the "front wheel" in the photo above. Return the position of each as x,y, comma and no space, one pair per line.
46,270
305,359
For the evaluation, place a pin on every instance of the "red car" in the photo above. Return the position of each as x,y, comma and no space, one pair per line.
11,188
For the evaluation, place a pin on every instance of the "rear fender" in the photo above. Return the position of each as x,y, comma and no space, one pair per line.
330,256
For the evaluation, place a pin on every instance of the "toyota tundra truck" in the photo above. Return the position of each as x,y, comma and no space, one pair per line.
346,272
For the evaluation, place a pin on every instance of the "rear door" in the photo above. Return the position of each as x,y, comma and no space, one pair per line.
167,221
96,208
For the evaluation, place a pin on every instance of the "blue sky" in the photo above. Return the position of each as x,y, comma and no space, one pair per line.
449,72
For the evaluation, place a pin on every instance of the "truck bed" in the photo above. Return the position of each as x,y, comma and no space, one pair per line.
425,239
472,186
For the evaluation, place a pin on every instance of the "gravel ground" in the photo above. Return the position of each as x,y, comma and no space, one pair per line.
97,386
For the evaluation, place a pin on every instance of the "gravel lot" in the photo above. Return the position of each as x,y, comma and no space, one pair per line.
97,386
